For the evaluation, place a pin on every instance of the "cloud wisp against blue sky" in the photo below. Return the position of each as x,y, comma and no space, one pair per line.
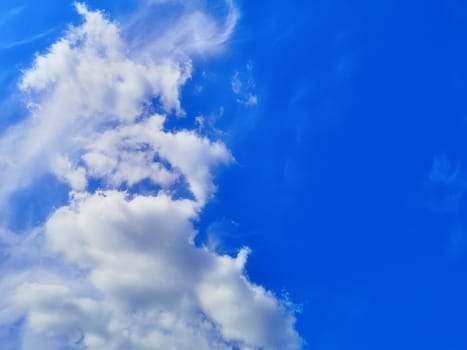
8,14
114,266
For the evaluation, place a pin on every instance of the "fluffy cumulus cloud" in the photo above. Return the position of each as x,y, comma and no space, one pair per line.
116,268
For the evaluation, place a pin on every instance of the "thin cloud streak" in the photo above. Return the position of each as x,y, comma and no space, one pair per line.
27,41
8,15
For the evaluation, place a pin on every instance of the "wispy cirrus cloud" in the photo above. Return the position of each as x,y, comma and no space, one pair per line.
115,268
11,13
447,184
243,86
26,41
446,188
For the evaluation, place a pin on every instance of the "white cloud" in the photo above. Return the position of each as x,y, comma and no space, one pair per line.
66,172
86,82
236,83
142,283
251,100
126,155
189,33
111,269
243,85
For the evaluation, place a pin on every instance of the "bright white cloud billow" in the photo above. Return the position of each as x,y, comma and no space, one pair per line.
116,269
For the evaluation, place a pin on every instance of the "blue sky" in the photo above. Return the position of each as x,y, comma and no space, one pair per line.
347,178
